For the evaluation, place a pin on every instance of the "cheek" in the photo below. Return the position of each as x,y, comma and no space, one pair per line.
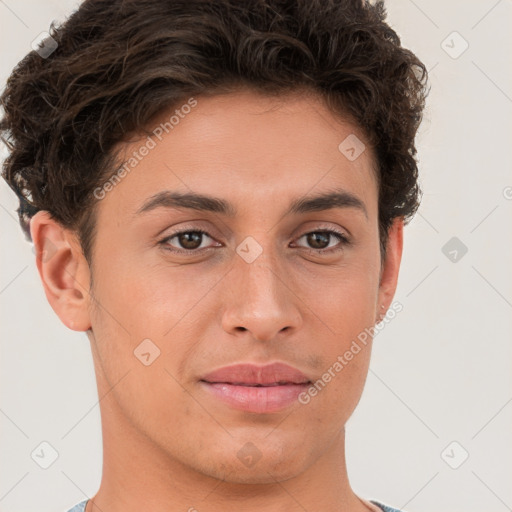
136,375
343,300
346,307
335,394
149,300
141,318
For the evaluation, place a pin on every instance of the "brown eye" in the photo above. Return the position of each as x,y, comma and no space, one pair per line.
190,239
187,241
319,241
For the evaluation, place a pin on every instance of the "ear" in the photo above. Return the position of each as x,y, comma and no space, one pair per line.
63,270
390,267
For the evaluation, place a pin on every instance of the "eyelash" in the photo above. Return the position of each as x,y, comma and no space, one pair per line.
342,238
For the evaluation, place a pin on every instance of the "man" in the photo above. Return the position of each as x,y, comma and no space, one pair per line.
217,193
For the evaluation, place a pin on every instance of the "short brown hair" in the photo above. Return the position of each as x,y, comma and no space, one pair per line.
119,63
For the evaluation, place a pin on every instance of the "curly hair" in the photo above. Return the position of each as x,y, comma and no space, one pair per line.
119,63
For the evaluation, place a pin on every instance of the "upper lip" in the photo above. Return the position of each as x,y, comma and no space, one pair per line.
252,374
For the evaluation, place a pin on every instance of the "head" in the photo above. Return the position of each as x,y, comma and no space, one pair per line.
263,107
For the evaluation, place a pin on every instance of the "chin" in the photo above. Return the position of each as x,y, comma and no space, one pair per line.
258,462
262,473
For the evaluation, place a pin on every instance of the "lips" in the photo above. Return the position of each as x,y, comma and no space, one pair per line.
257,389
274,374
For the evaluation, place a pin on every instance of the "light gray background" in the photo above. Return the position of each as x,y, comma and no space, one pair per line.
440,371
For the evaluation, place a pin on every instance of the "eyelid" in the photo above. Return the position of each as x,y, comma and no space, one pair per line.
342,235
175,250
344,240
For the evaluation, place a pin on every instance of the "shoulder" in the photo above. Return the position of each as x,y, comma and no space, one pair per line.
80,507
385,508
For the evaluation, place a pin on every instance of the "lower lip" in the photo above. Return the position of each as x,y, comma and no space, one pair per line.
264,399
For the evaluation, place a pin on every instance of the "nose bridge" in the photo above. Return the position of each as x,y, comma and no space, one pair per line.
260,298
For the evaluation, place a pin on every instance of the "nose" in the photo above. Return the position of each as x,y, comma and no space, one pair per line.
261,300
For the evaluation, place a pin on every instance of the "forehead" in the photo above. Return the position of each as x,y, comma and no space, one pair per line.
256,151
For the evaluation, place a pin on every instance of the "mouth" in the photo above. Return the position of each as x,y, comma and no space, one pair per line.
256,398
258,389
271,384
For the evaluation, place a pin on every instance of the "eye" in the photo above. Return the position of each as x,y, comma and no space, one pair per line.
320,241
191,240
188,240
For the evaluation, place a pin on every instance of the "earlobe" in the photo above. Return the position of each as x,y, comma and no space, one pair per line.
63,270
391,266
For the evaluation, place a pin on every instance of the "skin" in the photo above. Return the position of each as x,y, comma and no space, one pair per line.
168,445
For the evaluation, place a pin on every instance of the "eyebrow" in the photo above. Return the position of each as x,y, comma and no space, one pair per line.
202,202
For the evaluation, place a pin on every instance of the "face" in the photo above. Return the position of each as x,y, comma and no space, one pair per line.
181,292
